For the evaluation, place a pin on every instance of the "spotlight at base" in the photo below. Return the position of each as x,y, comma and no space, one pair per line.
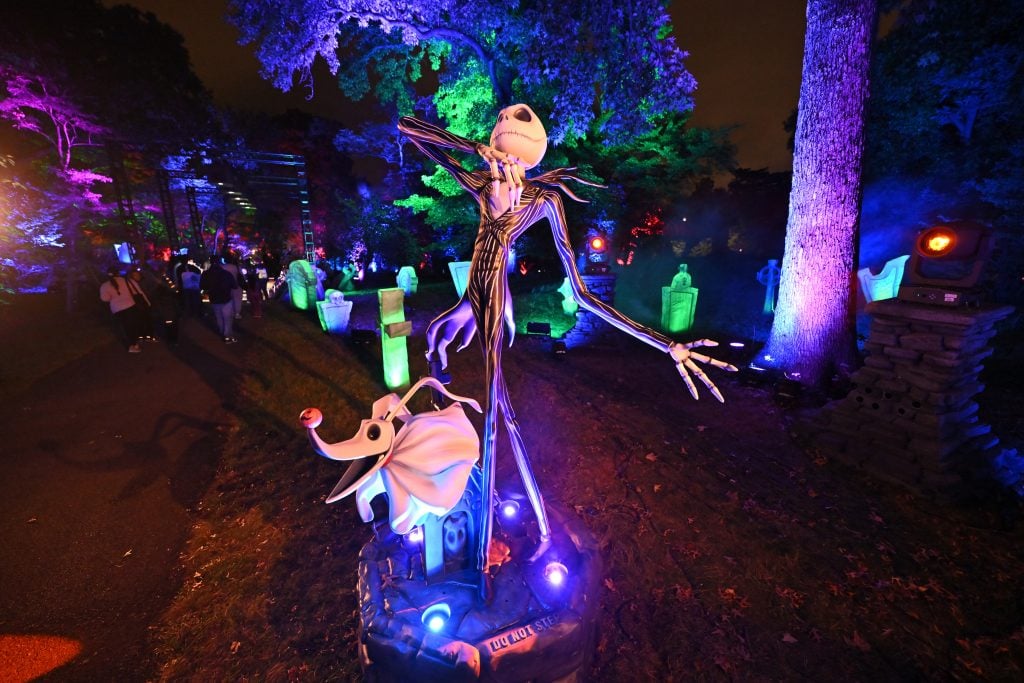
555,573
416,535
436,616
509,509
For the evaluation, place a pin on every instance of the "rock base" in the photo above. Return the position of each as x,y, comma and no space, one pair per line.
530,630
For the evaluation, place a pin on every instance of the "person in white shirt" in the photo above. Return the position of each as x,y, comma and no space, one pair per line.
116,292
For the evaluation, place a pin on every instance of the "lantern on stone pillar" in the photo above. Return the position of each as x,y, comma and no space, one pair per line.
947,263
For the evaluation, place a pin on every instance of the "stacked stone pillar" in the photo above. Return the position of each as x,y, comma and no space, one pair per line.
589,328
912,415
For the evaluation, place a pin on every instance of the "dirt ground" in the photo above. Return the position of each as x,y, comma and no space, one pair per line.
732,551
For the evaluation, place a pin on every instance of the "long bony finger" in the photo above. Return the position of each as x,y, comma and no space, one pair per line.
686,378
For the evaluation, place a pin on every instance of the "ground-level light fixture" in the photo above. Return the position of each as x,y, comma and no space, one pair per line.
555,573
436,616
509,509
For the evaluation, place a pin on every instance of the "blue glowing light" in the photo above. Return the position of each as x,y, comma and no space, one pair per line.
416,535
736,345
510,508
555,573
436,616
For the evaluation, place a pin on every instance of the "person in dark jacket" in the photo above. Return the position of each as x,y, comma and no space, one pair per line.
219,285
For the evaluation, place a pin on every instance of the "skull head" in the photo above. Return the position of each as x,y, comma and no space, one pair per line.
455,532
520,133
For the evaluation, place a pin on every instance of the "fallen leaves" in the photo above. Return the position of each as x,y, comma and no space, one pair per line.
858,642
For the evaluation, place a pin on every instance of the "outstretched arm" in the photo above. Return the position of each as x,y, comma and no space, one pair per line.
432,140
681,354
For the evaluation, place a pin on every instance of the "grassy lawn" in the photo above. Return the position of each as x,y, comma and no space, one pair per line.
731,551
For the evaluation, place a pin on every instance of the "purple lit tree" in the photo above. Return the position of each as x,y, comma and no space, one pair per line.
63,196
600,65
813,330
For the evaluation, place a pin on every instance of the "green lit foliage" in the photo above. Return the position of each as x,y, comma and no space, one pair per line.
466,106
656,168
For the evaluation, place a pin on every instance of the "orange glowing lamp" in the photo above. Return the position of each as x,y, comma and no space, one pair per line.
947,264
597,244
936,242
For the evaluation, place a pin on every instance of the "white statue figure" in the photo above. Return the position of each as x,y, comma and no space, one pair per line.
422,467
509,204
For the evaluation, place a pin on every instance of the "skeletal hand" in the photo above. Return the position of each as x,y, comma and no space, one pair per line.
504,167
449,325
685,358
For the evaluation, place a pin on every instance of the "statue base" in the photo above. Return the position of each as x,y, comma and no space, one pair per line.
531,630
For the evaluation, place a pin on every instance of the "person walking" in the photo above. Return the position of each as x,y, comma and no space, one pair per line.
116,292
253,288
230,265
143,303
219,285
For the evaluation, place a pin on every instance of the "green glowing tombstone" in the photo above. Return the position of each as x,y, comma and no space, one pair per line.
678,303
394,328
301,284
569,303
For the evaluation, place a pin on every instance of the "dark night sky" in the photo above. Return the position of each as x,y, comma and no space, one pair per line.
745,54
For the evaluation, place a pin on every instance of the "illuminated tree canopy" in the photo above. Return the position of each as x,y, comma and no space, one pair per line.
602,65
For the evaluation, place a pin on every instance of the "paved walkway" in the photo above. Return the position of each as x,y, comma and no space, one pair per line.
100,463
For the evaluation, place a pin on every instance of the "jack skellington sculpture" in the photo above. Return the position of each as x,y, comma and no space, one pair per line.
509,204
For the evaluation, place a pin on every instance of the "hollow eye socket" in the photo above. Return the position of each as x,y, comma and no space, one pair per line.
373,432
523,114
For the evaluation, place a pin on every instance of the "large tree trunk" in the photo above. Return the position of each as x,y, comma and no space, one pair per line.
813,331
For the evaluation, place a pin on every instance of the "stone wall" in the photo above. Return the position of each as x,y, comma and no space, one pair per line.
912,417
590,329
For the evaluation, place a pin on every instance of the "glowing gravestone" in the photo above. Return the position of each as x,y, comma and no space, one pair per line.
394,328
460,275
334,312
348,273
302,284
321,277
885,285
678,302
569,303
407,280
769,277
